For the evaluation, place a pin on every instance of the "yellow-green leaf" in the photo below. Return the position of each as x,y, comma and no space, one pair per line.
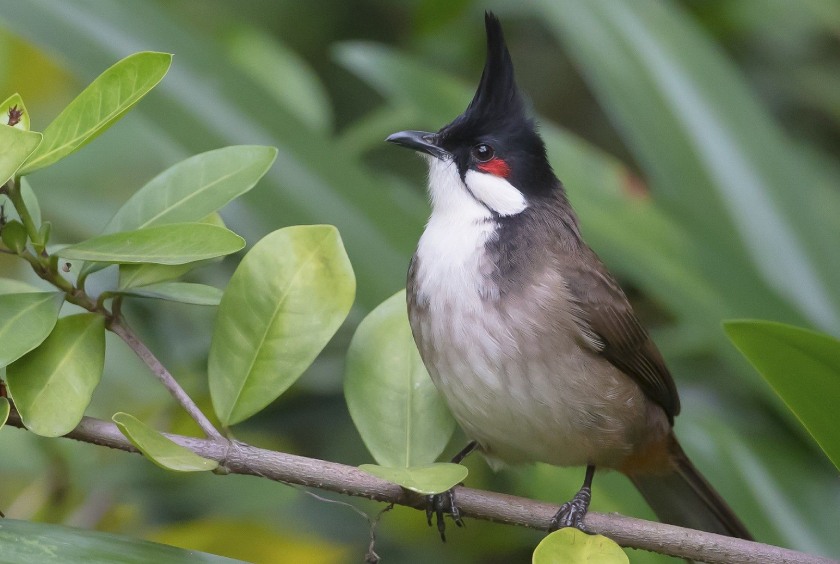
16,145
136,275
98,106
159,449
184,292
285,301
426,479
252,539
573,546
25,320
31,202
29,541
52,385
178,243
14,236
398,411
194,188
12,286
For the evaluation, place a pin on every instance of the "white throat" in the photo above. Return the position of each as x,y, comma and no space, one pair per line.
479,194
452,266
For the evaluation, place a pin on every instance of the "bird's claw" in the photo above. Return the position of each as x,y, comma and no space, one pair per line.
571,513
439,505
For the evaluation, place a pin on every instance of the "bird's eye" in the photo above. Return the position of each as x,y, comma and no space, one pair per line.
483,152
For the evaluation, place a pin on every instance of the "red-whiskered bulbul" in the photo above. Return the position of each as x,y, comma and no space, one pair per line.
528,337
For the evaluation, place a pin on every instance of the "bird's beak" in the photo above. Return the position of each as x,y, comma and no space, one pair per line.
422,141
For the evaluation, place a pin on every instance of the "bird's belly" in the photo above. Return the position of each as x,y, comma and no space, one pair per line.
526,396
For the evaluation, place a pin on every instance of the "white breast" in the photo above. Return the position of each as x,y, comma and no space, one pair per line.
451,249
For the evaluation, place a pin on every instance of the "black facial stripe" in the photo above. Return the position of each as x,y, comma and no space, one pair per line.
470,192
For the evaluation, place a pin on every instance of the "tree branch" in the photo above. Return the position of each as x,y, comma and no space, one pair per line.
240,458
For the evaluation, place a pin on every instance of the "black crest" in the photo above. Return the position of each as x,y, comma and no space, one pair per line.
497,116
497,94
497,105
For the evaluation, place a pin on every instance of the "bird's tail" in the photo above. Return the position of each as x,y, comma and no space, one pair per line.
682,496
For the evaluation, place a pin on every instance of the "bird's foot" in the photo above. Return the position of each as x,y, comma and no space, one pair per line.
439,505
571,513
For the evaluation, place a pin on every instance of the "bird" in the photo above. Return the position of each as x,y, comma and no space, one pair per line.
526,334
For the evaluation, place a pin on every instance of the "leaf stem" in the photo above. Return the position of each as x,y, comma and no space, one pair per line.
13,192
118,326
100,301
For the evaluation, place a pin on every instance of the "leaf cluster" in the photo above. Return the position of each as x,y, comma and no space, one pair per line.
286,299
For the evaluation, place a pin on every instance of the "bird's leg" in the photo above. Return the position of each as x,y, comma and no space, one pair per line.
438,504
572,512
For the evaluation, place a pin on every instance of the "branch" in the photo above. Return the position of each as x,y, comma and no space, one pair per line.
118,326
240,458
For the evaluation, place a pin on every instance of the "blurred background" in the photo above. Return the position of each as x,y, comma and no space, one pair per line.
698,140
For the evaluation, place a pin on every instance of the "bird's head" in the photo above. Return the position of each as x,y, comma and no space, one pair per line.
492,152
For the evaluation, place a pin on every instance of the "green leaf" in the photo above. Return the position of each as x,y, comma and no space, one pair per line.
159,449
4,411
285,301
192,189
44,233
184,292
31,202
802,367
395,406
98,106
716,159
138,275
14,101
177,243
14,236
52,385
16,146
291,83
396,77
25,319
426,479
25,542
11,286
573,545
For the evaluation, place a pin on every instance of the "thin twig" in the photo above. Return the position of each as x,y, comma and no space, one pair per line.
370,557
240,458
119,327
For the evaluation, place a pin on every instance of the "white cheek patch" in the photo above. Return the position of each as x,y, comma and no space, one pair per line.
495,192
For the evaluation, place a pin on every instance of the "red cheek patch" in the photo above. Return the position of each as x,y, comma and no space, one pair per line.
496,167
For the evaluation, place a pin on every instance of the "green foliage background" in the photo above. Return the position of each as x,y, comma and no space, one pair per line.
697,139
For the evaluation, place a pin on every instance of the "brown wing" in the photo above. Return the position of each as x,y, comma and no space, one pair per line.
606,314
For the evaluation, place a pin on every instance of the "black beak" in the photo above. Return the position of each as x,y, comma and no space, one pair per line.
420,141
